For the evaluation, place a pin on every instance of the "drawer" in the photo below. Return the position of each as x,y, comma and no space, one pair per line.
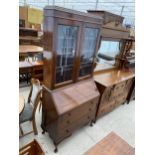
74,115
128,84
121,99
105,109
106,94
64,132
119,88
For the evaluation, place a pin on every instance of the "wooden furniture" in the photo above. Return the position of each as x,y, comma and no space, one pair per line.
25,71
113,34
21,104
29,111
126,59
68,108
32,148
114,87
112,25
71,41
111,145
28,70
131,95
30,49
28,36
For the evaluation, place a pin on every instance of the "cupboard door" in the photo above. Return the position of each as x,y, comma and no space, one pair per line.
66,46
88,51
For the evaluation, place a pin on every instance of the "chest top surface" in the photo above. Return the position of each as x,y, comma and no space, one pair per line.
113,77
72,96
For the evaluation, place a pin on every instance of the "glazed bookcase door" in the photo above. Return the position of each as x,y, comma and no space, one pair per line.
67,38
88,51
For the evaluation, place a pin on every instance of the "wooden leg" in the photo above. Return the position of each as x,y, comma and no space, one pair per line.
21,130
34,127
56,148
91,123
43,132
39,106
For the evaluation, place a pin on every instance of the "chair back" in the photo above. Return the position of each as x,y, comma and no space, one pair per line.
35,89
33,148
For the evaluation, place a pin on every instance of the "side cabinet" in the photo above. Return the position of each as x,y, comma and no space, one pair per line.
114,87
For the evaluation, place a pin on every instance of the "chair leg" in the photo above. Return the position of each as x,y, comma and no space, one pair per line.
39,107
21,130
34,127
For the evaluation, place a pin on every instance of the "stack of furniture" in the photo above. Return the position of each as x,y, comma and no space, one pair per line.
111,145
70,96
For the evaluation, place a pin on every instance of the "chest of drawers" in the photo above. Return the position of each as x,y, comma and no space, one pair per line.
114,87
68,108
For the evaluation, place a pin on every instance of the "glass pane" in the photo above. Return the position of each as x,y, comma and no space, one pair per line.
109,50
66,45
88,51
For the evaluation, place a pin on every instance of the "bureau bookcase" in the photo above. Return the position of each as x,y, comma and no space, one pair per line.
70,96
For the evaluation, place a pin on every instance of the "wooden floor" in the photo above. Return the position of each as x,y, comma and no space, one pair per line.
121,121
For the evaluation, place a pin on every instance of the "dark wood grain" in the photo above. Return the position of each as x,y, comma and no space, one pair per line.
111,145
69,108
53,17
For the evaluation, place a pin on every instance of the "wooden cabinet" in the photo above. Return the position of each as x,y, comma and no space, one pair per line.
68,108
70,43
114,87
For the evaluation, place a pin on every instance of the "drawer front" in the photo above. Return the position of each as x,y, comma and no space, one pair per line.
74,115
72,127
106,108
128,84
119,88
122,98
105,96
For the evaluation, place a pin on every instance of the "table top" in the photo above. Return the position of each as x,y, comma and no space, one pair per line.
113,77
111,145
37,63
21,103
30,49
24,64
29,38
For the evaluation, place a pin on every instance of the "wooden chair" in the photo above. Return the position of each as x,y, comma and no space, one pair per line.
29,111
33,148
